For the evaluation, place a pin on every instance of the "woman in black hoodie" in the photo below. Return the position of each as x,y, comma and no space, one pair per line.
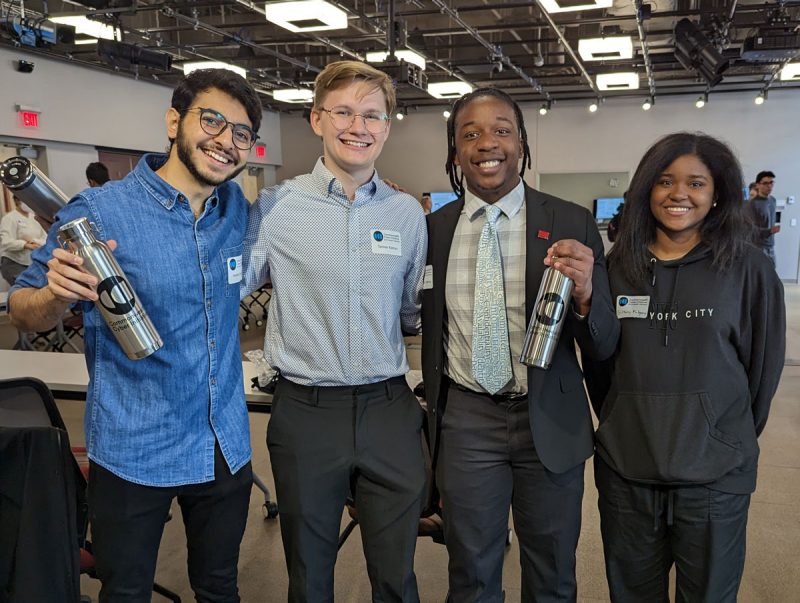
699,359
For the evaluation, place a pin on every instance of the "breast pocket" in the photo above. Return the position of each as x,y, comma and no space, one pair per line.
231,258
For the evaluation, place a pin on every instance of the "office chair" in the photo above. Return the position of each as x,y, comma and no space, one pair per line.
27,403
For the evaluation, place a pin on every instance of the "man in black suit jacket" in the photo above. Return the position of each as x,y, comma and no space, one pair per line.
522,445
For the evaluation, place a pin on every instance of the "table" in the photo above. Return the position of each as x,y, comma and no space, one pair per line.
66,375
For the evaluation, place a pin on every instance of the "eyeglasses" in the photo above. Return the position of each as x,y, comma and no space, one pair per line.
214,123
343,118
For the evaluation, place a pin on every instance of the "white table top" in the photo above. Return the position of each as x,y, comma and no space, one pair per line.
64,372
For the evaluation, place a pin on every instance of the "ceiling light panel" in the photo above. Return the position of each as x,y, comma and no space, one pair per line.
606,49
791,71
307,15
454,89
618,81
293,95
87,27
409,56
563,6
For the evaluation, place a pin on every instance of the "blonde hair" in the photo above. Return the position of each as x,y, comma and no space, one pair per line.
343,73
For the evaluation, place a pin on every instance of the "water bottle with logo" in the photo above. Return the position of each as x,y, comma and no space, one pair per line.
547,319
118,303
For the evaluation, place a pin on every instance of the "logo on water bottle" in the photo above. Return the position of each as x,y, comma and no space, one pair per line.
550,309
116,295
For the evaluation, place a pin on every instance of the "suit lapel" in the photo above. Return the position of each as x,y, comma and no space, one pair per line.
442,239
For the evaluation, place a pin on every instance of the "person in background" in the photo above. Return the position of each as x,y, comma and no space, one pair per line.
763,213
688,391
346,254
752,191
173,424
96,174
505,435
426,203
20,234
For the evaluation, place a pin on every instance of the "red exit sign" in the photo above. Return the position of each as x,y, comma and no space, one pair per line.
29,119
261,150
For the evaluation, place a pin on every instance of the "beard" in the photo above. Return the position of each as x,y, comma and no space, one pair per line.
185,155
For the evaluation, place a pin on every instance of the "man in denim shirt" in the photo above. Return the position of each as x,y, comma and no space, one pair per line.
173,424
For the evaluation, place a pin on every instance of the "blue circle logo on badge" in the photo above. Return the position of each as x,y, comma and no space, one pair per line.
377,235
232,263
623,301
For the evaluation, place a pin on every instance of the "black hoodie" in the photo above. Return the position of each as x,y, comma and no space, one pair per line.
692,381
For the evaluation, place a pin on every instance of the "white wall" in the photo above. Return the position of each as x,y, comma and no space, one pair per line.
82,106
571,140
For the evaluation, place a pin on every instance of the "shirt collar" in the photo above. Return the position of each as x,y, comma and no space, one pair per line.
327,182
158,188
510,204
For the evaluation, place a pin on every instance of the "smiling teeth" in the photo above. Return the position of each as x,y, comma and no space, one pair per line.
489,164
217,156
677,210
354,143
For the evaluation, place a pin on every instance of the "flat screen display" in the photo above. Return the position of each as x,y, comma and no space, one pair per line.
438,199
606,207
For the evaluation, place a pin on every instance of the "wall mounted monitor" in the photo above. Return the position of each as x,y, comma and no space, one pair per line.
440,198
606,207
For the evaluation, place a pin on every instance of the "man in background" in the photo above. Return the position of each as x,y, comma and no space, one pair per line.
762,207
96,174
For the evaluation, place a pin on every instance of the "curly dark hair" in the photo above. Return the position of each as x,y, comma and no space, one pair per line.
726,229
456,178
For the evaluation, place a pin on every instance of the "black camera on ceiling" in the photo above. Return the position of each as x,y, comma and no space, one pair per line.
24,66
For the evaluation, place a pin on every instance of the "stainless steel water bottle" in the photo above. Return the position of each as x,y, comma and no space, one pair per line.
547,319
32,187
119,305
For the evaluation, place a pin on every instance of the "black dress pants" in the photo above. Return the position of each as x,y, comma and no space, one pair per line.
328,443
127,521
487,462
646,529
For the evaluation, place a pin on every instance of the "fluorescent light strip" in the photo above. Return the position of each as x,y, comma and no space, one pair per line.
599,49
454,89
293,95
87,27
563,6
306,15
195,65
409,56
618,81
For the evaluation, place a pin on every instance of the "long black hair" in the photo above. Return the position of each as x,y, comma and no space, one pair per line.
456,177
726,229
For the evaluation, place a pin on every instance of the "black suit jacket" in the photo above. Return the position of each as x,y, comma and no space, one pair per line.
559,410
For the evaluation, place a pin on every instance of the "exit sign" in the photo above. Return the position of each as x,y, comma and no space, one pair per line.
261,150
29,119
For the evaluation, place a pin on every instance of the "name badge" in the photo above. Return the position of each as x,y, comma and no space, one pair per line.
234,269
632,306
386,242
427,279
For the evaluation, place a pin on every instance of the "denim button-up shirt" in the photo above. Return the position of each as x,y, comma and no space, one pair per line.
154,421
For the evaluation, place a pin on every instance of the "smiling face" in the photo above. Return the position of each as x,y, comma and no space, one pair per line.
488,147
764,186
681,199
351,151
210,160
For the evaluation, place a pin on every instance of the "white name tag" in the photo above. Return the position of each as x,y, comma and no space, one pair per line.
632,306
427,279
386,242
234,269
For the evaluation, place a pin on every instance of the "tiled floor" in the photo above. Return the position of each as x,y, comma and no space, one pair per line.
772,573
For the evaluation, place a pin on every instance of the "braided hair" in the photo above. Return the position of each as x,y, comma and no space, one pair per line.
456,177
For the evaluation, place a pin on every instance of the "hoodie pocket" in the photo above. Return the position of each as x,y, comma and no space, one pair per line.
667,439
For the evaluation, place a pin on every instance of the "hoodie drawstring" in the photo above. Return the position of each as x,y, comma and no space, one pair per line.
659,494
671,303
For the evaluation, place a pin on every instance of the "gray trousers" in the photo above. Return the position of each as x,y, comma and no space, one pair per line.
647,529
328,443
487,462
10,270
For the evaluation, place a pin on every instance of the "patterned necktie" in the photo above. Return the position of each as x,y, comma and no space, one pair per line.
491,356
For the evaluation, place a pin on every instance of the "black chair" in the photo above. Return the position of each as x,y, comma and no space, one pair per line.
26,404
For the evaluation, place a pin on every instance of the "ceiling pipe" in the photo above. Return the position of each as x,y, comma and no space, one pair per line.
651,84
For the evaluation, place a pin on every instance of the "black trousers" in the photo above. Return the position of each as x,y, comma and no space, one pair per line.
646,529
328,443
127,521
487,462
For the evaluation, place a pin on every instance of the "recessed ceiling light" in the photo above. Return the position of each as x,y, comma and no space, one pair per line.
293,95
600,49
195,65
454,89
306,15
628,80
562,6
409,56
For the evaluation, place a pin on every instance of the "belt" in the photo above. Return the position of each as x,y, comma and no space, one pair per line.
497,398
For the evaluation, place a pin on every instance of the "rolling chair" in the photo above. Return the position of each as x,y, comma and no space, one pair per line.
27,403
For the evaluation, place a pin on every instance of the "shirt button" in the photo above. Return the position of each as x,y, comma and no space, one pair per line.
213,344
213,380
204,266
208,303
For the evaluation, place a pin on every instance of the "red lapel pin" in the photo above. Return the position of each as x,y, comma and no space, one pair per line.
544,234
